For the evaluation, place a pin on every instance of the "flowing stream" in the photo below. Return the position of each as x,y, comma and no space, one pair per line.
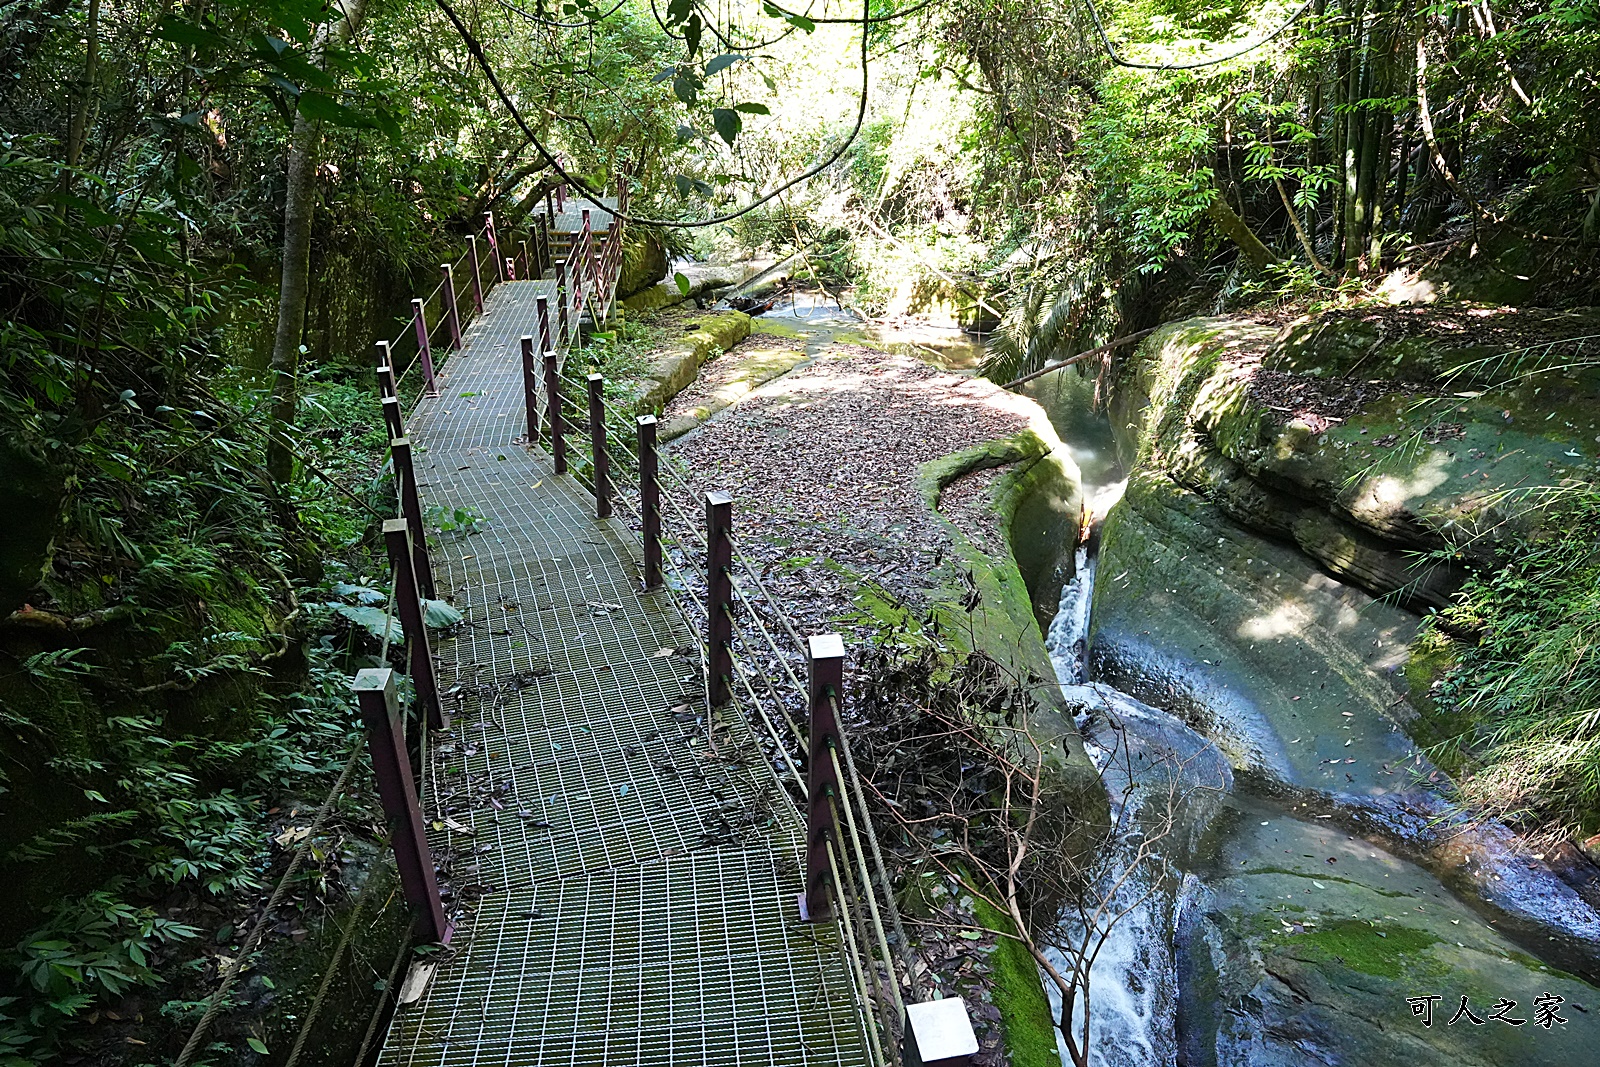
1269,925
1223,867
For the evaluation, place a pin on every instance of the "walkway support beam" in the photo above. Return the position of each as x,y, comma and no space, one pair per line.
408,605
391,418
543,304
380,711
825,659
477,274
452,315
719,599
494,245
562,337
419,318
650,501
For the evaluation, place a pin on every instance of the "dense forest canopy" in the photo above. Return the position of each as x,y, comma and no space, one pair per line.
210,209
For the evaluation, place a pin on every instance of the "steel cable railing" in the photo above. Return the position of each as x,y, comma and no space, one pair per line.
744,661
856,869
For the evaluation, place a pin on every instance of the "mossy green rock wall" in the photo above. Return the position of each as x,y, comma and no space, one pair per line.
1313,956
673,369
644,261
1296,677
1412,467
1038,501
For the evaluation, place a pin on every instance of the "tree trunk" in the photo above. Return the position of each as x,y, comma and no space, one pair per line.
294,282
1238,231
78,129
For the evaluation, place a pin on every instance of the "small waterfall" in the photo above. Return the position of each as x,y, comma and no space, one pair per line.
1068,639
1132,978
1132,982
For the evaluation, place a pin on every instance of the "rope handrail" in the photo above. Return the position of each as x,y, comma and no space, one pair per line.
866,881
849,938
794,728
219,995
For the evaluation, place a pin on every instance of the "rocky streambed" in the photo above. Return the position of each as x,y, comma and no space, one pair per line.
1313,898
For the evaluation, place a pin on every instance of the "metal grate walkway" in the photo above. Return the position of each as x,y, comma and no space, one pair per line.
629,880
570,218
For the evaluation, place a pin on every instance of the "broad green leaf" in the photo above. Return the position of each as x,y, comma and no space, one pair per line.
259,1045
373,620
439,615
684,88
752,109
317,105
181,31
663,74
727,122
717,64
682,283
691,35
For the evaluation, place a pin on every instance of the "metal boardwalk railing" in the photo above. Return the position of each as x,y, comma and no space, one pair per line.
624,865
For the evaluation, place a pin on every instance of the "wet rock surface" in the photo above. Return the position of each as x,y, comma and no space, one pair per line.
1310,946
1315,904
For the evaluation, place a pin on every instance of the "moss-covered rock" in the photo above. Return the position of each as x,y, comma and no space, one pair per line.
1297,677
674,367
644,260
1317,955
1244,416
743,373
1037,501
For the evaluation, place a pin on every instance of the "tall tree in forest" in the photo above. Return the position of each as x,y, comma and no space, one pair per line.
299,207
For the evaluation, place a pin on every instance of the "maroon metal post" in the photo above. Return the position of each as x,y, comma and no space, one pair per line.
650,501
597,445
825,656
561,196
411,508
545,260
587,245
530,388
494,245
719,598
543,304
527,260
408,605
375,694
552,392
451,314
510,272
562,337
386,382
424,351
477,275
392,418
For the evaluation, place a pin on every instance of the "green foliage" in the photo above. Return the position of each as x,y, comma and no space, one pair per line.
1525,693
446,519
96,946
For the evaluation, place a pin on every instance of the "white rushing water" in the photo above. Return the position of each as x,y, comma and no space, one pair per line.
1132,988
